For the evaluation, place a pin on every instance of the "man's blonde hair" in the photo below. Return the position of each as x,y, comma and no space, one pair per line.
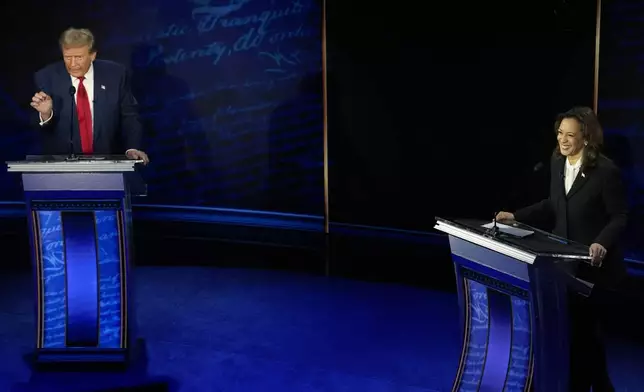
74,38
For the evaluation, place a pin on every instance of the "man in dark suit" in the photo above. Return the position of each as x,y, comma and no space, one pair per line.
587,204
92,96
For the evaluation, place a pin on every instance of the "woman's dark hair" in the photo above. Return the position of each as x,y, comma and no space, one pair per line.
591,132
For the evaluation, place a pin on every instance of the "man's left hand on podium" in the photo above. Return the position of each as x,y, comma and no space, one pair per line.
137,154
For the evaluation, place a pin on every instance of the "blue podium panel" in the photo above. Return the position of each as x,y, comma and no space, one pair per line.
497,350
81,263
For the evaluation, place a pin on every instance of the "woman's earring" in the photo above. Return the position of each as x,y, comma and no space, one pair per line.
585,143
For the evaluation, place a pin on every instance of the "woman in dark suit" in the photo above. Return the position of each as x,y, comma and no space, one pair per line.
587,204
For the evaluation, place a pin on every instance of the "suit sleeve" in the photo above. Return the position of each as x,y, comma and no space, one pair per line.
542,211
614,197
537,212
41,83
130,123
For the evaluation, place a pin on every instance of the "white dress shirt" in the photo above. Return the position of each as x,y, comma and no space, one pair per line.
571,172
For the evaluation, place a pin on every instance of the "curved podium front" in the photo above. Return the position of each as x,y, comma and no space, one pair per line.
513,298
79,219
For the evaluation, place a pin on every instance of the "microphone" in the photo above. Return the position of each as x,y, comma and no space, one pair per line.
537,167
72,156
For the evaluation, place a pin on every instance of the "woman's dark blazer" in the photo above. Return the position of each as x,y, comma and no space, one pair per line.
595,210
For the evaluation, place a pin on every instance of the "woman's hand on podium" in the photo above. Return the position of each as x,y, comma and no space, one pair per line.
505,216
597,252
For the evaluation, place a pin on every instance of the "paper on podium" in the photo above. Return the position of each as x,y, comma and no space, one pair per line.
513,231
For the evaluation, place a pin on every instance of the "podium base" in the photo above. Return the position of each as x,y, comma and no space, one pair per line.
88,360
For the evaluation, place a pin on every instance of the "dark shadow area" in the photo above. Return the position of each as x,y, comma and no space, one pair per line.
295,151
82,377
618,148
174,138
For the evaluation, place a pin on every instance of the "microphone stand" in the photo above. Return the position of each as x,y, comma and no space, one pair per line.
494,230
72,156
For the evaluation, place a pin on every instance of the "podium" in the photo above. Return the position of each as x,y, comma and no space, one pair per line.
79,217
513,295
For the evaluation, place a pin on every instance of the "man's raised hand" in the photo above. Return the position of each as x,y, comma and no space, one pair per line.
43,104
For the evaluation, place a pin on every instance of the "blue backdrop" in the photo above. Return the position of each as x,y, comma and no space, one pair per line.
230,94
621,102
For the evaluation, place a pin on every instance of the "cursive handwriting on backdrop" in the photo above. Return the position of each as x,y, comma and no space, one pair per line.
231,95
53,278
110,279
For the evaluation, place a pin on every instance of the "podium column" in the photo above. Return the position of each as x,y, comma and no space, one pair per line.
79,219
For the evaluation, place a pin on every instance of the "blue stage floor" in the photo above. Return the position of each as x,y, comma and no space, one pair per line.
236,330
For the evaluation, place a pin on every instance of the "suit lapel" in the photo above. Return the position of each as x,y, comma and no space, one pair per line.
580,181
64,82
561,167
99,101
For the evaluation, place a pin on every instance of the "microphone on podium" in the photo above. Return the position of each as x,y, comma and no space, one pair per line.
72,156
494,230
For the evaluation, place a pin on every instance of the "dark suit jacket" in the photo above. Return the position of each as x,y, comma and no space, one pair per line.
595,210
116,124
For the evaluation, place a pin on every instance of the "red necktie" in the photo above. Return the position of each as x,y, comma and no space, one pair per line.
84,117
